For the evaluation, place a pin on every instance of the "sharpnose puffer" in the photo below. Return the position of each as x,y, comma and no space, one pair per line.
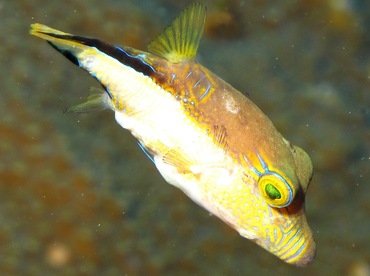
204,136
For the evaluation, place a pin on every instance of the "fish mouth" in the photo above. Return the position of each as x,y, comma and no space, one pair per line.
295,246
299,250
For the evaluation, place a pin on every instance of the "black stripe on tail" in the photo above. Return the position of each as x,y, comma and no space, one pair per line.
115,52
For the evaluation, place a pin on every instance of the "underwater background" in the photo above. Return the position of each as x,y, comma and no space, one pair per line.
77,195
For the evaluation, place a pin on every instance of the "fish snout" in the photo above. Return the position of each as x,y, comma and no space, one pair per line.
299,250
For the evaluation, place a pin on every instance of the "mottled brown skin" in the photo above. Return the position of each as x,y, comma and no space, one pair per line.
251,131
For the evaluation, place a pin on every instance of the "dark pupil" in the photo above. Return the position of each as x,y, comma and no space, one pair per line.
272,192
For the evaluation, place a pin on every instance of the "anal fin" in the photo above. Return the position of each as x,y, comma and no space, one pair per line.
97,100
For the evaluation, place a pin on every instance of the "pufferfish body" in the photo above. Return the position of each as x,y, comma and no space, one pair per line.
204,136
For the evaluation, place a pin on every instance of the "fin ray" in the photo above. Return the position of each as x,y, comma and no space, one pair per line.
220,136
61,41
174,158
98,100
58,39
181,39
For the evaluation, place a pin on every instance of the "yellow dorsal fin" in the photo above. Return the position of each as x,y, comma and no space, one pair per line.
180,40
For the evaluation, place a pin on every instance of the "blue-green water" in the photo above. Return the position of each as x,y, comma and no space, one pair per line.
77,196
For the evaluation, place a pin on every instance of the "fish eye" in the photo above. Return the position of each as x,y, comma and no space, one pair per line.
272,192
276,191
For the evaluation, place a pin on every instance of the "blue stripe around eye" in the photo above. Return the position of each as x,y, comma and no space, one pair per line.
266,171
264,166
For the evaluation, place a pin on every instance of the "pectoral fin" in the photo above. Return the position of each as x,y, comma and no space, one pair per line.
179,160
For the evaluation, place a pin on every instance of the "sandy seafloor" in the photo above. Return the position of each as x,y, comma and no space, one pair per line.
78,197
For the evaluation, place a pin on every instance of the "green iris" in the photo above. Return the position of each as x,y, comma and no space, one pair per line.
272,192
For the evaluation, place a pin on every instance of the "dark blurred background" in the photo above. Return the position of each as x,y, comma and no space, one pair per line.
78,197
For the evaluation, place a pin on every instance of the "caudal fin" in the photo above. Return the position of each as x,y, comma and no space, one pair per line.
65,43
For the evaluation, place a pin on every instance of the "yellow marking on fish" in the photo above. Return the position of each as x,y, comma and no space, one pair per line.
180,41
204,136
